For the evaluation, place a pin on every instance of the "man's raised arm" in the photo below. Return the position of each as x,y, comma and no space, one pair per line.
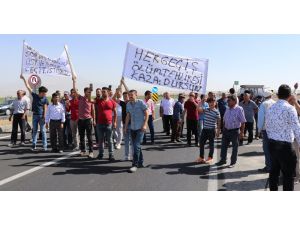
26,83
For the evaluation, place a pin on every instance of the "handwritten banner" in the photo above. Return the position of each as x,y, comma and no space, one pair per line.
151,67
36,63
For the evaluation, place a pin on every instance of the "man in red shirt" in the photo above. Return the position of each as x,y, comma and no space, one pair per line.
86,119
72,107
107,121
191,111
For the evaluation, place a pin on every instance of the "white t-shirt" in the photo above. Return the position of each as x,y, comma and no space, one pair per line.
167,105
19,106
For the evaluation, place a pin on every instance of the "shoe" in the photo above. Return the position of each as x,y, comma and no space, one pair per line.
11,145
173,141
82,154
257,138
61,151
34,149
133,169
118,147
44,149
221,163
100,157
232,165
22,144
197,145
152,142
263,170
179,141
141,166
209,160
75,149
200,160
111,158
91,155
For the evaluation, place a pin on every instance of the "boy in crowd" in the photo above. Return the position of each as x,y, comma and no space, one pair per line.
211,123
39,108
55,117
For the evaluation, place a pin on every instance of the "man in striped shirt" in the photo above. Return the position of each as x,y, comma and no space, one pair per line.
211,122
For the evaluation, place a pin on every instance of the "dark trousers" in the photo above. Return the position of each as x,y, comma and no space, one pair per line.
151,128
96,134
85,126
233,137
18,121
192,127
222,122
168,123
207,134
284,159
249,128
176,129
56,132
68,140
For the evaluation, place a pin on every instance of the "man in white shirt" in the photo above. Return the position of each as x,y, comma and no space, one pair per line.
19,109
166,107
263,109
55,116
282,126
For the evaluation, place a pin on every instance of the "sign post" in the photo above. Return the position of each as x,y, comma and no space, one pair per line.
34,82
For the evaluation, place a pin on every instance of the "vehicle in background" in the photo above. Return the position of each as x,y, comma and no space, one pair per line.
6,107
255,90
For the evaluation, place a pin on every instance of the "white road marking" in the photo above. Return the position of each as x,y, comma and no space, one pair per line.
24,173
5,137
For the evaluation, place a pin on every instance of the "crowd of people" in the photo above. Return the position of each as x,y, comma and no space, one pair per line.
119,116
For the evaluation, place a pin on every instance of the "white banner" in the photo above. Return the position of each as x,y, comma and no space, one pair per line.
36,63
151,67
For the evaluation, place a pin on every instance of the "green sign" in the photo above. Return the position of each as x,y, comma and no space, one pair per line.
236,83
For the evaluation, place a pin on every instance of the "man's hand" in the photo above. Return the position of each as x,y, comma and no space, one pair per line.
124,130
47,126
218,131
22,77
74,77
144,128
94,123
62,125
241,135
9,119
115,125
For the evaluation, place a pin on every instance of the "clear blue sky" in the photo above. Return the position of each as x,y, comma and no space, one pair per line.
98,59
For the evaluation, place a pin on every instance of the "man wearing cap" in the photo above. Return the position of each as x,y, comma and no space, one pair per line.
263,109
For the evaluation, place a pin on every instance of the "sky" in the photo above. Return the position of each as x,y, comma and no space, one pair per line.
250,59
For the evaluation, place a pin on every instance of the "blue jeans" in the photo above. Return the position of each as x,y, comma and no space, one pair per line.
38,120
266,150
127,143
137,137
151,128
105,130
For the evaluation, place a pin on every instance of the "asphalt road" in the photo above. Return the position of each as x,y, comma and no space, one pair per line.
168,167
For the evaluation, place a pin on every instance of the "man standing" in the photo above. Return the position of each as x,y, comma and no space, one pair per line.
222,106
98,96
137,115
250,108
166,106
73,107
39,108
86,120
191,111
234,124
151,113
282,126
67,132
107,121
263,109
19,109
55,116
211,123
177,119
203,104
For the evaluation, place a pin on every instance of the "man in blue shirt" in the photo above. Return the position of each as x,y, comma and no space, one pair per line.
137,115
177,119
39,107
222,106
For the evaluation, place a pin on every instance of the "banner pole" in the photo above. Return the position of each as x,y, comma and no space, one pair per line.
71,65
22,57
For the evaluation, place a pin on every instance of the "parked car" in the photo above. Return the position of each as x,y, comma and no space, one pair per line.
6,107
255,90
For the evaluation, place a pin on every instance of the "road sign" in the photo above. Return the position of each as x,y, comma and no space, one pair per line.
34,81
155,97
236,82
154,90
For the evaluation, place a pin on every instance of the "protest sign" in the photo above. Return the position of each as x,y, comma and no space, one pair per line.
189,74
34,62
